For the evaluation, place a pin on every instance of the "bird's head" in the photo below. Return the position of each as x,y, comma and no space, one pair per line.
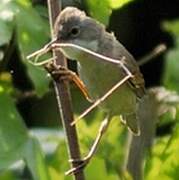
73,26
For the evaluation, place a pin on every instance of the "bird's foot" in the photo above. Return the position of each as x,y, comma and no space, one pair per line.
61,73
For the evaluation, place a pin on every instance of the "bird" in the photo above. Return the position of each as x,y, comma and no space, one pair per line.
73,26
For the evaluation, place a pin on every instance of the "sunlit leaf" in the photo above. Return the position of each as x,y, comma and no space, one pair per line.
54,174
8,175
113,138
165,161
6,82
118,3
172,26
99,165
101,10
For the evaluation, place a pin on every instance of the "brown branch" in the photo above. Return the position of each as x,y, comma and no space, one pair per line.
63,97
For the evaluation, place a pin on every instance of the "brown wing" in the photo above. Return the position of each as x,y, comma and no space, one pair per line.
111,47
137,82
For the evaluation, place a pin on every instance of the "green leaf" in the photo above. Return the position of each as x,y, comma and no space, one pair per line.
114,138
170,166
164,163
32,30
15,143
32,34
170,78
59,162
99,165
13,133
118,3
172,26
35,160
101,10
8,175
39,78
6,83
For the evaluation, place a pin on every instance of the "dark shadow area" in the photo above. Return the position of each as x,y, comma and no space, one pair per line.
138,27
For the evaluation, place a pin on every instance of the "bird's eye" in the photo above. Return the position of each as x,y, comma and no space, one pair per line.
75,31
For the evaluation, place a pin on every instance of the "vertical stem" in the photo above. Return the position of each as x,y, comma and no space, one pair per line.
63,97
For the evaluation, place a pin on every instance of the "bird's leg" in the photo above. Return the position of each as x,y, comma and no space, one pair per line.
62,73
82,163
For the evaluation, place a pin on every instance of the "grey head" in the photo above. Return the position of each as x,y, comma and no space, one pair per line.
73,26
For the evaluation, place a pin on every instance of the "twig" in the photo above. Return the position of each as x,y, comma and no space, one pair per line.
63,98
103,98
94,55
151,55
53,45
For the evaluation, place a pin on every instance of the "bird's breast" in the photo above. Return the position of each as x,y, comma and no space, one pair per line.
99,78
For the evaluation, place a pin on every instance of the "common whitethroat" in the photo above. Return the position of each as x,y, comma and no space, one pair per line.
74,27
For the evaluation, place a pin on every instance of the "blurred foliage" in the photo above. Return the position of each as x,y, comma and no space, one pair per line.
163,163
105,8
170,78
42,152
20,17
23,146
